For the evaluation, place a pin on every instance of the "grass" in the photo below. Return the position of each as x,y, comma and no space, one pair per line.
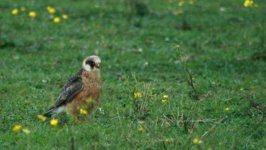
202,59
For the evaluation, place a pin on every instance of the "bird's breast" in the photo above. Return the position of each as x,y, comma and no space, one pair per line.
89,95
91,84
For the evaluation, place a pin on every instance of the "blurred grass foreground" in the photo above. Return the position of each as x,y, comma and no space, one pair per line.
177,74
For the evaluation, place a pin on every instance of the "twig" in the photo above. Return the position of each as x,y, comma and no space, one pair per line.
194,94
190,81
203,120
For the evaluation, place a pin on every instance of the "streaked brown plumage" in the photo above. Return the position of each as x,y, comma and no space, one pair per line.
82,91
91,89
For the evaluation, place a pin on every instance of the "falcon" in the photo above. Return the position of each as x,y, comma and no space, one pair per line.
81,93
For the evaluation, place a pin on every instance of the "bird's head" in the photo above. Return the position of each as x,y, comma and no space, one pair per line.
91,63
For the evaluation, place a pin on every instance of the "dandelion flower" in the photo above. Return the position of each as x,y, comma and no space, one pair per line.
23,9
141,130
200,141
56,19
248,3
32,14
90,101
26,131
179,12
181,3
137,94
168,140
226,109
48,7
65,16
17,128
83,111
41,117
196,141
14,12
165,99
54,122
191,2
51,10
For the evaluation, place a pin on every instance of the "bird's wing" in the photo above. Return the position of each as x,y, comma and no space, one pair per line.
77,76
73,86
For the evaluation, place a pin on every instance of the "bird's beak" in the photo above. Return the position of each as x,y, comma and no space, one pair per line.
97,65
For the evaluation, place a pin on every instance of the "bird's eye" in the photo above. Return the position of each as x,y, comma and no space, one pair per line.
91,63
88,62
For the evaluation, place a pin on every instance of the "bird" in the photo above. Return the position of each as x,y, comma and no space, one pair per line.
81,93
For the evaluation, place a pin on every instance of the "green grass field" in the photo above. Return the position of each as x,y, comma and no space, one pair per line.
208,57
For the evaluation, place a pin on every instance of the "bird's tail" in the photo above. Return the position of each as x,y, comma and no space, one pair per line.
54,111
50,113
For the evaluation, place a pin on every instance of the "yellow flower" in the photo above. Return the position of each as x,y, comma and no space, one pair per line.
51,10
168,140
191,2
179,12
165,99
141,130
56,19
32,14
23,9
181,3
54,122
65,16
14,12
17,128
200,141
90,101
137,94
248,3
226,109
196,141
83,111
26,131
41,117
